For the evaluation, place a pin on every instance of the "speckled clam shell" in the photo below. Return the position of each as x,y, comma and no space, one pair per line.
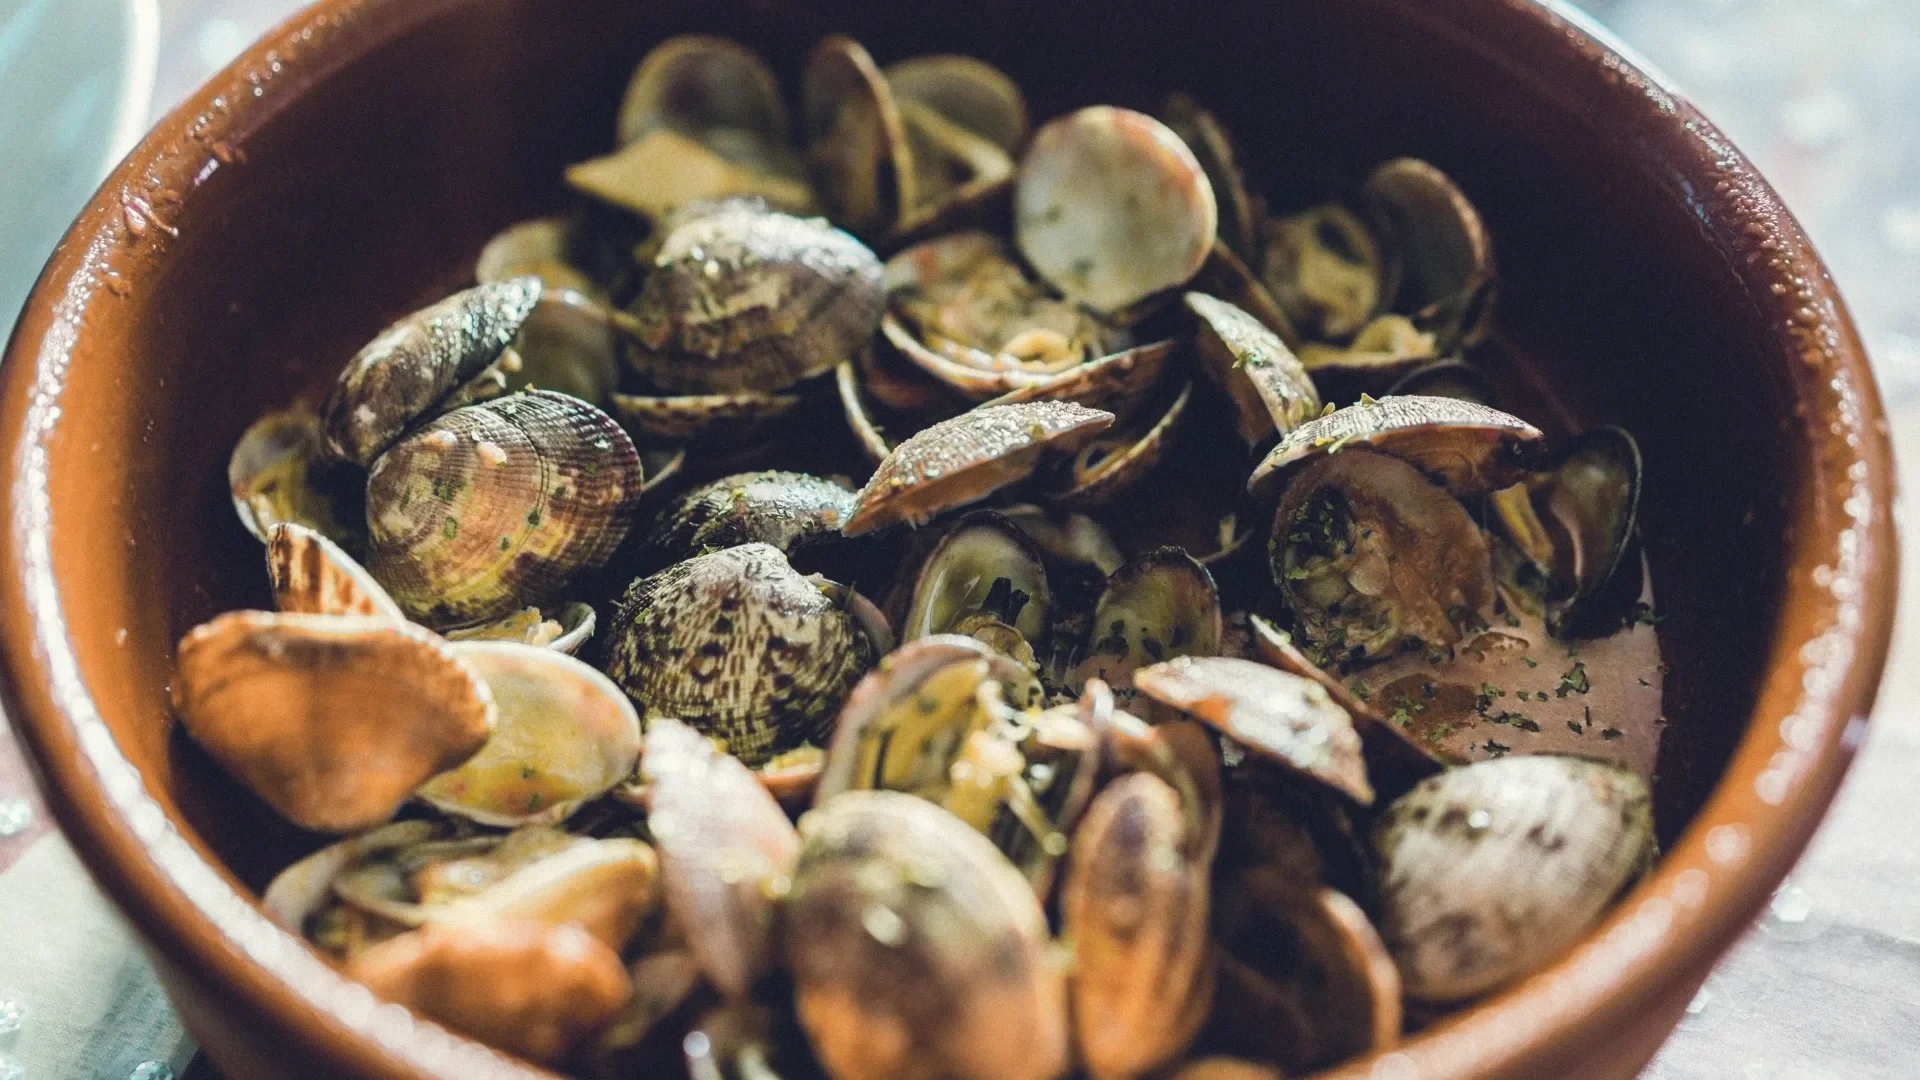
970,92
969,457
1472,449
1491,870
1267,385
743,299
278,473
1240,216
312,575
332,720
565,734
695,83
495,506
857,145
1281,717
418,362
1115,462
917,950
1135,905
1111,207
727,853
740,646
1118,383
788,510
1158,606
656,421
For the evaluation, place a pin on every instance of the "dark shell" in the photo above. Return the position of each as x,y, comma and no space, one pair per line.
785,509
965,574
739,645
695,83
972,93
1224,275
1117,461
857,145
1213,148
1472,449
707,417
741,298
960,172
1442,256
496,506
1594,500
1269,388
419,362
1447,378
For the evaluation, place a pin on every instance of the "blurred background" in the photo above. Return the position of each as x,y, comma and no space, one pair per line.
1824,95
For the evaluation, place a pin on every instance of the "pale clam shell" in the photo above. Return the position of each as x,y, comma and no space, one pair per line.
1472,449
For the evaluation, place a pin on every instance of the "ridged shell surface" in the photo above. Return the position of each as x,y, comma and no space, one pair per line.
788,510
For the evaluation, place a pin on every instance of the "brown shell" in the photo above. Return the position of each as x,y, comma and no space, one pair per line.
537,247
1116,462
333,721
1472,449
972,93
1118,383
407,372
1225,1068
707,417
1281,717
786,509
743,299
860,414
1135,905
1491,870
695,83
1224,275
522,986
1213,148
981,550
1266,383
279,472
740,646
568,344
969,457
857,145
960,172
664,171
1443,255
312,575
1412,557
496,506
1161,605
727,852
918,952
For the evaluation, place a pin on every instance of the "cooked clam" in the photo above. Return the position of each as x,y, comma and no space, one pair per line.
1111,208
788,510
312,575
1471,448
696,85
1283,718
917,951
740,646
965,459
1325,270
1119,383
1370,557
494,506
665,171
1223,1068
1442,254
1068,538
1225,276
1116,461
959,171
984,566
707,418
1161,605
1490,870
857,144
416,364
1269,389
566,630
1385,351
537,247
1240,215
568,344
1593,503
972,93
1447,378
744,299
279,472
332,721
727,853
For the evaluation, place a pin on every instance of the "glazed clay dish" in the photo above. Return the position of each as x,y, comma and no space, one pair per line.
1365,433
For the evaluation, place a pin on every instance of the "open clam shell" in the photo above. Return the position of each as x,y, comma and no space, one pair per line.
972,93
1490,870
1117,461
969,457
492,507
1472,449
788,510
1161,605
696,84
1325,270
1370,557
569,344
333,721
312,575
1070,538
1118,383
1387,349
416,364
665,171
740,646
538,247
1240,216
1284,718
1226,1068
904,921
1111,208
1264,381
565,734
984,565
1443,255
857,145
564,629
727,853
1225,276
744,299
301,890
1594,503
279,472
961,173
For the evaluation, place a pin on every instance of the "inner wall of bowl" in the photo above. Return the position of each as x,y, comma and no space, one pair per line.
372,194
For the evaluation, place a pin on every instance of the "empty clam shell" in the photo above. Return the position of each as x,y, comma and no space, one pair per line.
696,84
1212,147
1135,905
1594,501
664,171
537,247
740,646
494,506
1117,461
568,628
727,853
965,459
1384,351
788,510
279,472
960,172
972,93
1444,257
1370,556
917,950
1111,208
1472,449
312,575
1118,383
857,144
333,721
417,363
743,299
1491,870
1266,384
1161,605
983,565
1325,270
705,417
565,734
1281,717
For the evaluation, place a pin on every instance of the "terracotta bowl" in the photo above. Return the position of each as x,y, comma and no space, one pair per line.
351,165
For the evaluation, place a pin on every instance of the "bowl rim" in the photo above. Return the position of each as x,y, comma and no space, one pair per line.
1830,643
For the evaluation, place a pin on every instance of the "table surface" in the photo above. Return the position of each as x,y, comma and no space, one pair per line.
1825,96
